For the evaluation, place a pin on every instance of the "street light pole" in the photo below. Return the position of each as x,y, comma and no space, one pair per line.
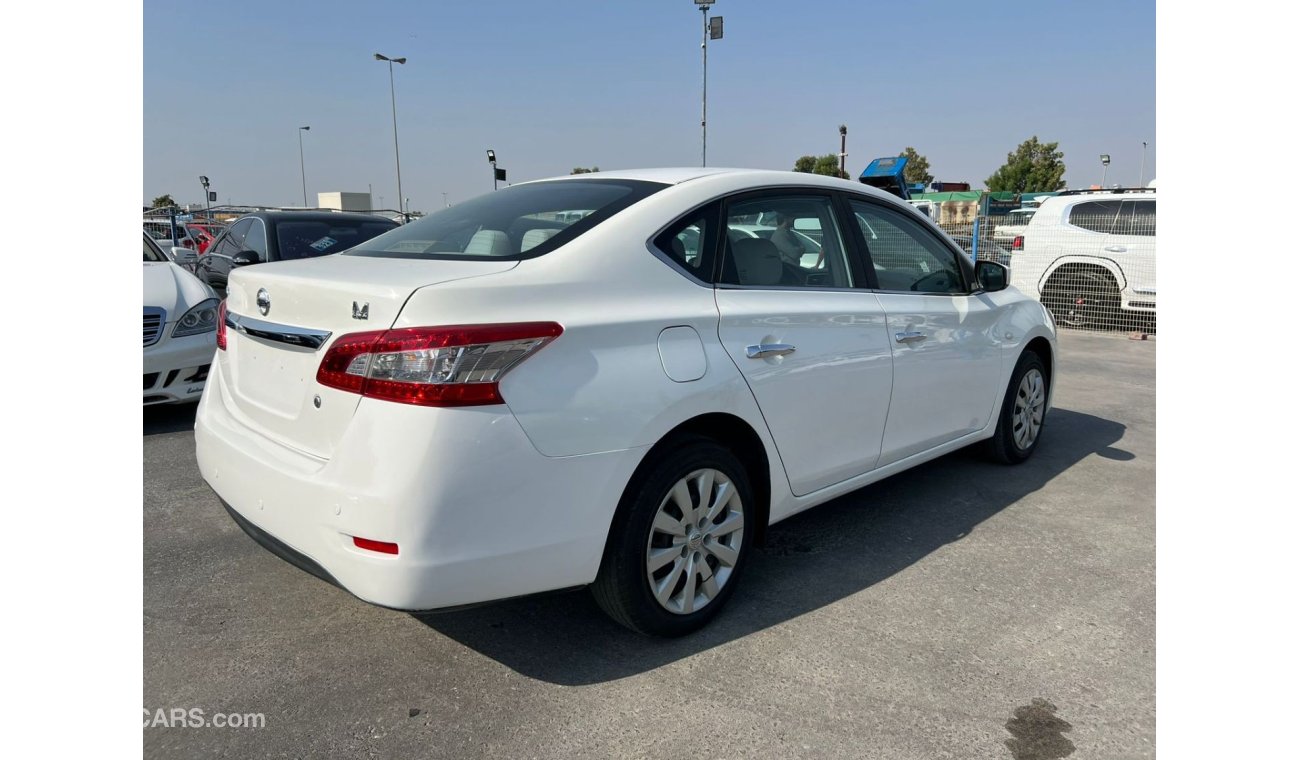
1142,177
704,99
844,132
1105,164
392,88
302,165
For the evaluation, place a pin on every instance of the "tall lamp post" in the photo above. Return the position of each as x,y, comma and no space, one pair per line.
1105,164
712,30
1142,177
844,132
302,165
392,89
207,195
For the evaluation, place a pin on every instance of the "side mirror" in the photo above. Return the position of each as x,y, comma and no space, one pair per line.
183,255
244,258
991,275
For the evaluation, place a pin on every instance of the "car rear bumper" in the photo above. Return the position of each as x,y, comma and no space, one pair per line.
476,511
175,369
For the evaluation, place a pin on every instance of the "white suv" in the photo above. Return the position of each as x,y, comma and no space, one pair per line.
1090,257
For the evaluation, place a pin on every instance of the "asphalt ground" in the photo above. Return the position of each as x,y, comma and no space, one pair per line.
959,610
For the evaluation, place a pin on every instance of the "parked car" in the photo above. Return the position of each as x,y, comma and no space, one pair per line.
1090,256
180,328
1011,227
283,236
489,402
203,234
161,232
987,250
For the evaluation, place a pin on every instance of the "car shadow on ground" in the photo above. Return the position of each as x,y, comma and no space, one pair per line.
169,418
810,560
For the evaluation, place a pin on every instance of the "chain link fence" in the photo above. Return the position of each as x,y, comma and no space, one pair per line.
1088,256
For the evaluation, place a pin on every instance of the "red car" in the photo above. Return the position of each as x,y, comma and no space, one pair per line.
204,234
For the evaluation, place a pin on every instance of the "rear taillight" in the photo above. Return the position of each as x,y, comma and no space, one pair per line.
1018,244
460,365
221,325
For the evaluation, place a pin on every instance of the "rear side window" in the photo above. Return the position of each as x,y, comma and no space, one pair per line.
515,223
1136,218
689,242
1097,216
305,239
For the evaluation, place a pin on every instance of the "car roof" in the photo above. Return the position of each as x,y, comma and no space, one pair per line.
678,175
314,216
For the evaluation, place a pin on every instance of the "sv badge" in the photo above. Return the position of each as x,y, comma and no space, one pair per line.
362,311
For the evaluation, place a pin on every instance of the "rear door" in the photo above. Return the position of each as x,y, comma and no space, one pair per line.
807,334
947,356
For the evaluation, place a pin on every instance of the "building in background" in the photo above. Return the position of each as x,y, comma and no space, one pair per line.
341,201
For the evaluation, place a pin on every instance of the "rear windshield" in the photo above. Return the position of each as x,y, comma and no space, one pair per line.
305,239
515,223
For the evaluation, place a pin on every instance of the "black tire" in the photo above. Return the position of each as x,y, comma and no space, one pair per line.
1003,446
622,587
1083,300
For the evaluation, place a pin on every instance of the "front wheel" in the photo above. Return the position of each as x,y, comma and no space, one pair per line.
1024,409
678,542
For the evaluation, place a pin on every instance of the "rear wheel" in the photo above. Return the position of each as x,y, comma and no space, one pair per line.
1083,299
679,540
1024,408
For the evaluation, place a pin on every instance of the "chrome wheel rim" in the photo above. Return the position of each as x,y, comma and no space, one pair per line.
695,541
1027,416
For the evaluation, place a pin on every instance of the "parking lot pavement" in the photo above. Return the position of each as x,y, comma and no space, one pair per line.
960,610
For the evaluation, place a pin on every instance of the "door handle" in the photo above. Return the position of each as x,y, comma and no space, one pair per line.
764,350
1116,248
909,337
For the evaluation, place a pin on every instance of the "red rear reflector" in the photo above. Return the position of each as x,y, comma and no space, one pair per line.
221,325
383,547
1018,244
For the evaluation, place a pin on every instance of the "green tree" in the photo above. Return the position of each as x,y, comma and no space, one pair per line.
162,201
1033,167
581,170
828,165
918,167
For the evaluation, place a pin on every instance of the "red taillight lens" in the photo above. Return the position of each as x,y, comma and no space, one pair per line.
460,365
1018,244
383,547
221,325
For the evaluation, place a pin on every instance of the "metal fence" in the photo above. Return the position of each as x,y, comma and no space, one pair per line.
1091,260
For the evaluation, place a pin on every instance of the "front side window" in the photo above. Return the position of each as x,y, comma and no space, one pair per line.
515,223
784,241
906,257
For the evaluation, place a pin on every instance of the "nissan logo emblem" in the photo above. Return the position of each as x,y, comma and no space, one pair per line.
263,301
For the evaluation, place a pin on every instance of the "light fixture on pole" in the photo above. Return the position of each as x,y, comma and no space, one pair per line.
1105,163
302,165
393,91
208,197
498,175
712,30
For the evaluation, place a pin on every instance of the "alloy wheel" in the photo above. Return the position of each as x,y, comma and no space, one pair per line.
695,541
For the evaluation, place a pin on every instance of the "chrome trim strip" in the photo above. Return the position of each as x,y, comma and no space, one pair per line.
294,336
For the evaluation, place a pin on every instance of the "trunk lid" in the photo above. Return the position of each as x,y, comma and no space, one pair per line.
269,366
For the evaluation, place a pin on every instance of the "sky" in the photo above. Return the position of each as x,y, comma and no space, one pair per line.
617,84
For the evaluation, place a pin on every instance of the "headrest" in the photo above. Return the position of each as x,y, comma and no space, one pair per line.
489,243
534,238
758,262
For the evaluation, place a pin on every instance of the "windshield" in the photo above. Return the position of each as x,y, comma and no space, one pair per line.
305,239
515,223
152,252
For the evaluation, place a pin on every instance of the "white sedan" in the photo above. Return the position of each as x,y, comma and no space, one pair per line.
180,327
492,401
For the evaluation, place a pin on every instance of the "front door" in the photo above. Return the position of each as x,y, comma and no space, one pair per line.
946,350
